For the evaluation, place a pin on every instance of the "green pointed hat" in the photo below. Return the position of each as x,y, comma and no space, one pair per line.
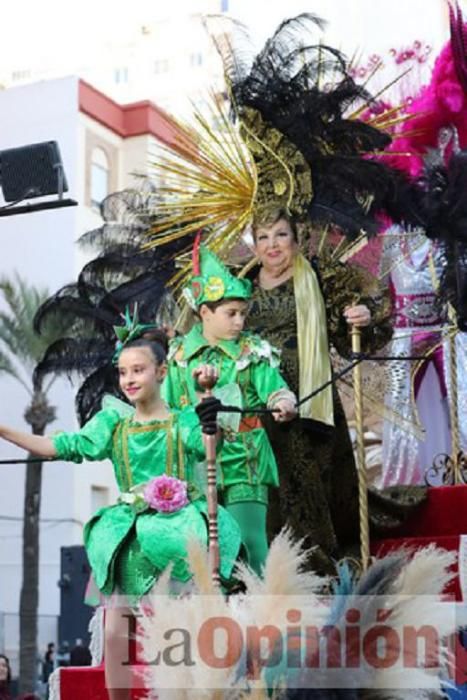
213,281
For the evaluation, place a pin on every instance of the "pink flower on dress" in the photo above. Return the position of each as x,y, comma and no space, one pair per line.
166,494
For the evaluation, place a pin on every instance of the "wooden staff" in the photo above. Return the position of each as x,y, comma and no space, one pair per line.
210,443
453,409
361,464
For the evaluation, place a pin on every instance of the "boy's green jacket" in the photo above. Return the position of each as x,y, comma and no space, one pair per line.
252,364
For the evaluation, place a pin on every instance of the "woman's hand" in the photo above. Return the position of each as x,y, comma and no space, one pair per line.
284,410
359,315
169,331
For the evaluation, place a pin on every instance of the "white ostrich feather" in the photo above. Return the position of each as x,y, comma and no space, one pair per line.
266,602
198,559
283,574
427,572
416,604
411,602
284,586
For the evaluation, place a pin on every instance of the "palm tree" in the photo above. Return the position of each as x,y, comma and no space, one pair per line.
20,351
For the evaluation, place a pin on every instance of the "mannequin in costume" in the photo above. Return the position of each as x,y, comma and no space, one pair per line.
247,365
423,267
415,267
130,543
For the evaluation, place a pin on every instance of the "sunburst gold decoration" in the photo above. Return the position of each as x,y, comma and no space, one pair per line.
216,178
208,180
284,177
295,136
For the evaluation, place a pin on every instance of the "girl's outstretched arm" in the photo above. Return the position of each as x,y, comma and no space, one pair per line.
37,444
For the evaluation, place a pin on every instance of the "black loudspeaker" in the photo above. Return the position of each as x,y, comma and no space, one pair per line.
74,613
32,171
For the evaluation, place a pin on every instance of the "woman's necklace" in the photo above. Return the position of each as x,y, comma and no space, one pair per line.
268,281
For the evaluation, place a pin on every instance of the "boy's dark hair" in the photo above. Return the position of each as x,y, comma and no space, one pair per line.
272,217
156,340
213,305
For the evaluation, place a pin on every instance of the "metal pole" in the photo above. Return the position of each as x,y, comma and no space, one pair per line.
361,465
453,410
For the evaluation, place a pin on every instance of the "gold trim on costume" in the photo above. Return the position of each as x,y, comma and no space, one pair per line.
126,457
181,458
117,446
313,348
163,424
170,445
167,426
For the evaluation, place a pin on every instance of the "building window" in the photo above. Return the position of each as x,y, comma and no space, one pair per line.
20,74
99,497
121,75
161,66
100,172
196,59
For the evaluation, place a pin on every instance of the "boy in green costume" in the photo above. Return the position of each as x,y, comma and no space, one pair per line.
251,366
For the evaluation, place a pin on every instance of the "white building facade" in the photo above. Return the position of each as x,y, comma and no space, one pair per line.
162,52
101,144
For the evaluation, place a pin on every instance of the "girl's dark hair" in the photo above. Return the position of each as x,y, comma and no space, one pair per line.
8,678
272,217
156,340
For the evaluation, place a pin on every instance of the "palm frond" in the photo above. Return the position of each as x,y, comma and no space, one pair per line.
20,346
7,367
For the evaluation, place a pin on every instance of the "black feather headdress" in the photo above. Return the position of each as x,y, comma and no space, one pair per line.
122,276
292,139
445,206
305,92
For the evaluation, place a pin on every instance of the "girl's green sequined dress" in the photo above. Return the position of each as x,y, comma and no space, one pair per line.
128,544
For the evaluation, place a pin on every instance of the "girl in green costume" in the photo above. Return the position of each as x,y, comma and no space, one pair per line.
130,544
247,365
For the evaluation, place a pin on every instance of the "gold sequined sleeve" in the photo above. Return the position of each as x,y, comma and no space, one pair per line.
345,285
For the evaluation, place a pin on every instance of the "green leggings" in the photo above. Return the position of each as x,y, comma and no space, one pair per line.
251,518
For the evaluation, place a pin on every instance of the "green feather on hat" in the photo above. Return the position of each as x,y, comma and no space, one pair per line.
131,330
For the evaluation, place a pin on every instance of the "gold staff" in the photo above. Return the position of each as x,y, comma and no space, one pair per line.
453,410
361,465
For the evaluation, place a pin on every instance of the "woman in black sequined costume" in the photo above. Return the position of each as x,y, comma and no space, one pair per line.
318,495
